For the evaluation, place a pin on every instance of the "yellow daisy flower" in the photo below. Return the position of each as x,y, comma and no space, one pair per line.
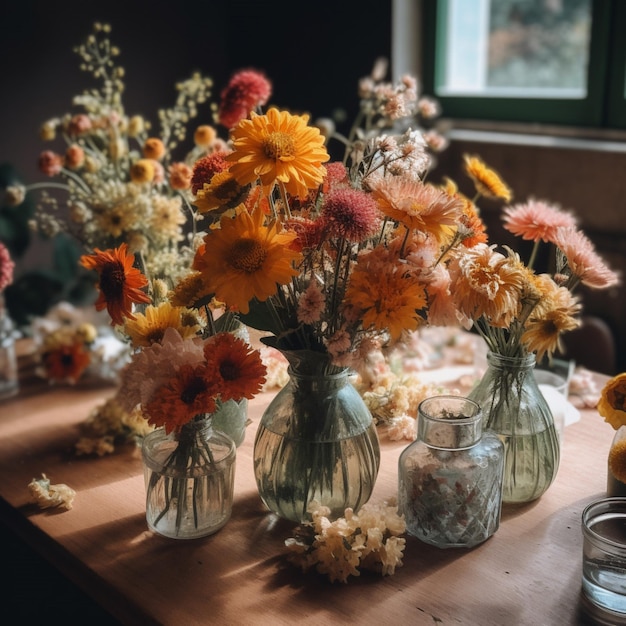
221,194
244,259
278,147
486,180
149,328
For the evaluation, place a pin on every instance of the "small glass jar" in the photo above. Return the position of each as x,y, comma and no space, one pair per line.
9,381
450,478
189,477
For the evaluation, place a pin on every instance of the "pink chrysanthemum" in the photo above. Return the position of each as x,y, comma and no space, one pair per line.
205,168
311,304
536,220
583,260
351,214
246,90
6,268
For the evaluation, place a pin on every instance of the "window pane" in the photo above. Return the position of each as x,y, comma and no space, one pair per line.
514,48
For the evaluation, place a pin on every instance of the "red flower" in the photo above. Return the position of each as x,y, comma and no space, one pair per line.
205,168
246,90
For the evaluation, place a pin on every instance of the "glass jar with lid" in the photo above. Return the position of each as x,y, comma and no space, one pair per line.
450,478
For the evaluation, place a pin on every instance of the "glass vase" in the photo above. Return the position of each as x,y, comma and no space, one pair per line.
231,418
616,475
9,380
514,408
189,477
316,442
450,478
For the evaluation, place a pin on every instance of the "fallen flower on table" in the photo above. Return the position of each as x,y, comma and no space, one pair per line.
109,424
369,540
48,496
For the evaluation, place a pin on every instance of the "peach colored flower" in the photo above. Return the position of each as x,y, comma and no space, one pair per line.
50,163
583,260
536,220
180,176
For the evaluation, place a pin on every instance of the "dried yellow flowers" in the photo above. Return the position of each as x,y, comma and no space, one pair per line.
367,540
48,496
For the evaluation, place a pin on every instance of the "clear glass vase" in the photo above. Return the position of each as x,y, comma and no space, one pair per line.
616,475
189,477
9,380
231,418
450,478
316,442
514,408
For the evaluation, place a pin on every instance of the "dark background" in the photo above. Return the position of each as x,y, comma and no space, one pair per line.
314,54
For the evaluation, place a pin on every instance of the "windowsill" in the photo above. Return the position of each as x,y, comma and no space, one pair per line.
538,135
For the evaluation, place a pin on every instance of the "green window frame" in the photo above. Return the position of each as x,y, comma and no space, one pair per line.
603,106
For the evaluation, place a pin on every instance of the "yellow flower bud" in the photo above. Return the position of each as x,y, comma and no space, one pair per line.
204,136
142,171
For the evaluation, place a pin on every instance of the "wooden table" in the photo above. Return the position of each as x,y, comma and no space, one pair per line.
528,573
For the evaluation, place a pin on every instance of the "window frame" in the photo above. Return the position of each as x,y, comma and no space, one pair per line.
603,106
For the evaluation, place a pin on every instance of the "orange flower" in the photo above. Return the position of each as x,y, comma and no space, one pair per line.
235,367
418,206
244,259
279,147
66,362
153,148
385,296
119,282
486,180
612,404
187,394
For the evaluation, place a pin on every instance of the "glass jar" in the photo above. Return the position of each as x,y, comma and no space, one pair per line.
9,381
616,476
231,417
515,409
189,477
450,478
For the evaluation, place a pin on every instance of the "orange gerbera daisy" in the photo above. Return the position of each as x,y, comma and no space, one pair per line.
187,394
243,259
279,147
119,282
486,180
66,362
418,206
236,368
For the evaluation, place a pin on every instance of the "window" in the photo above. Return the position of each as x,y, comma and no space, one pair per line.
548,61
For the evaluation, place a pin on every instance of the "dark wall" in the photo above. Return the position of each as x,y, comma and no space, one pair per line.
314,53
